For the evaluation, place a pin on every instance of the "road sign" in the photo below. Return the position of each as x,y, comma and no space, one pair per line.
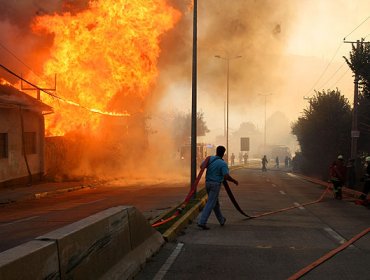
244,144
355,134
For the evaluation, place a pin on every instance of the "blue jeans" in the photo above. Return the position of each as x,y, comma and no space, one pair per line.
213,190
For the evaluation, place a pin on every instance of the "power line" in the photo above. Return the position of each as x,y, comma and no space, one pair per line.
356,28
332,76
326,68
93,110
17,58
340,77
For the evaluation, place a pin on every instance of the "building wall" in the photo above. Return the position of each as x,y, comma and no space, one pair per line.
13,167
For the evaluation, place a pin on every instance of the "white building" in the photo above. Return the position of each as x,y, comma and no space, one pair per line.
21,137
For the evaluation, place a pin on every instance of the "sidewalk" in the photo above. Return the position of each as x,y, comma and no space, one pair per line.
41,189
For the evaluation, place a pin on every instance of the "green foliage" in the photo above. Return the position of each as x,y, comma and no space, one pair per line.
359,62
323,131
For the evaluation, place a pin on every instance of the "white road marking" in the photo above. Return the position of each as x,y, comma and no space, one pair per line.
19,221
297,204
292,175
335,235
282,192
91,202
171,259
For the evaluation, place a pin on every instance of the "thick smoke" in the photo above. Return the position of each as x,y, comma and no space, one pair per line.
255,30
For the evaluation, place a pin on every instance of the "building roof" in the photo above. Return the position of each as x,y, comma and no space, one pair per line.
10,97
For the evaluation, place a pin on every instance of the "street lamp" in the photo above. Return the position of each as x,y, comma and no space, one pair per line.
227,100
264,140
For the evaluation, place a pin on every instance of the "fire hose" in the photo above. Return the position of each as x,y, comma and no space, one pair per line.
327,256
191,193
232,198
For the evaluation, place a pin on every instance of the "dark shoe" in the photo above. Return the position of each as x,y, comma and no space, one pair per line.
203,227
223,223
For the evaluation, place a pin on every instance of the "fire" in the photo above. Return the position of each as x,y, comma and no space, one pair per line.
101,53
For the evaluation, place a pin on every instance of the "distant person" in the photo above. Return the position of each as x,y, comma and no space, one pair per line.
338,172
241,158
286,162
366,180
232,159
217,172
277,162
245,158
264,163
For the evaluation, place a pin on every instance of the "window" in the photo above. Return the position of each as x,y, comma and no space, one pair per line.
3,145
30,142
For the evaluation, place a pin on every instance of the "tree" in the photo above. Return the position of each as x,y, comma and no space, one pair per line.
182,127
323,132
359,62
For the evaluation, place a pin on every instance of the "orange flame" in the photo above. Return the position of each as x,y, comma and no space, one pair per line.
109,50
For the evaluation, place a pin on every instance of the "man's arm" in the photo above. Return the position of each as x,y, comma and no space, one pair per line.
227,177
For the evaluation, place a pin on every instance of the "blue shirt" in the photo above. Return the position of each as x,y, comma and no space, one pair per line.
216,170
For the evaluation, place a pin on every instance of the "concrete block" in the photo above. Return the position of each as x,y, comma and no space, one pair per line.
90,247
131,264
31,260
140,229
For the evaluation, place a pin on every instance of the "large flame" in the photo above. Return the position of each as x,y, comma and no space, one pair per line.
109,49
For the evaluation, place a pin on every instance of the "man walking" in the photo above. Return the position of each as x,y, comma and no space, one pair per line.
217,172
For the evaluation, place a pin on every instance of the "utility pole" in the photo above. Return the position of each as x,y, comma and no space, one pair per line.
355,133
193,168
38,89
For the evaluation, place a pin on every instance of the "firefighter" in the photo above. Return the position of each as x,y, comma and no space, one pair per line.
337,174
366,180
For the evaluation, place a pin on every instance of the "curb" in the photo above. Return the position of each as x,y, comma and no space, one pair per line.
176,228
44,194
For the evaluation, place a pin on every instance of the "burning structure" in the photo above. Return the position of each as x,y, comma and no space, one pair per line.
21,136
104,54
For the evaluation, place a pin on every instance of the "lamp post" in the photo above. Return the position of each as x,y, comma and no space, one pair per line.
227,58
264,139
193,162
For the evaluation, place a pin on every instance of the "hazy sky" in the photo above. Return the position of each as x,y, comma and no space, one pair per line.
288,48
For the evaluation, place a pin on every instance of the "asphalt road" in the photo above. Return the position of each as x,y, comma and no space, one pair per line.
25,220
274,246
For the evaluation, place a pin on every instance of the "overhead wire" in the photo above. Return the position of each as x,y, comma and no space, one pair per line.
336,52
93,110
326,68
340,78
332,76
356,27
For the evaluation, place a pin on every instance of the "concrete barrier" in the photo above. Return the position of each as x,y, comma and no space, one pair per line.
112,244
31,260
